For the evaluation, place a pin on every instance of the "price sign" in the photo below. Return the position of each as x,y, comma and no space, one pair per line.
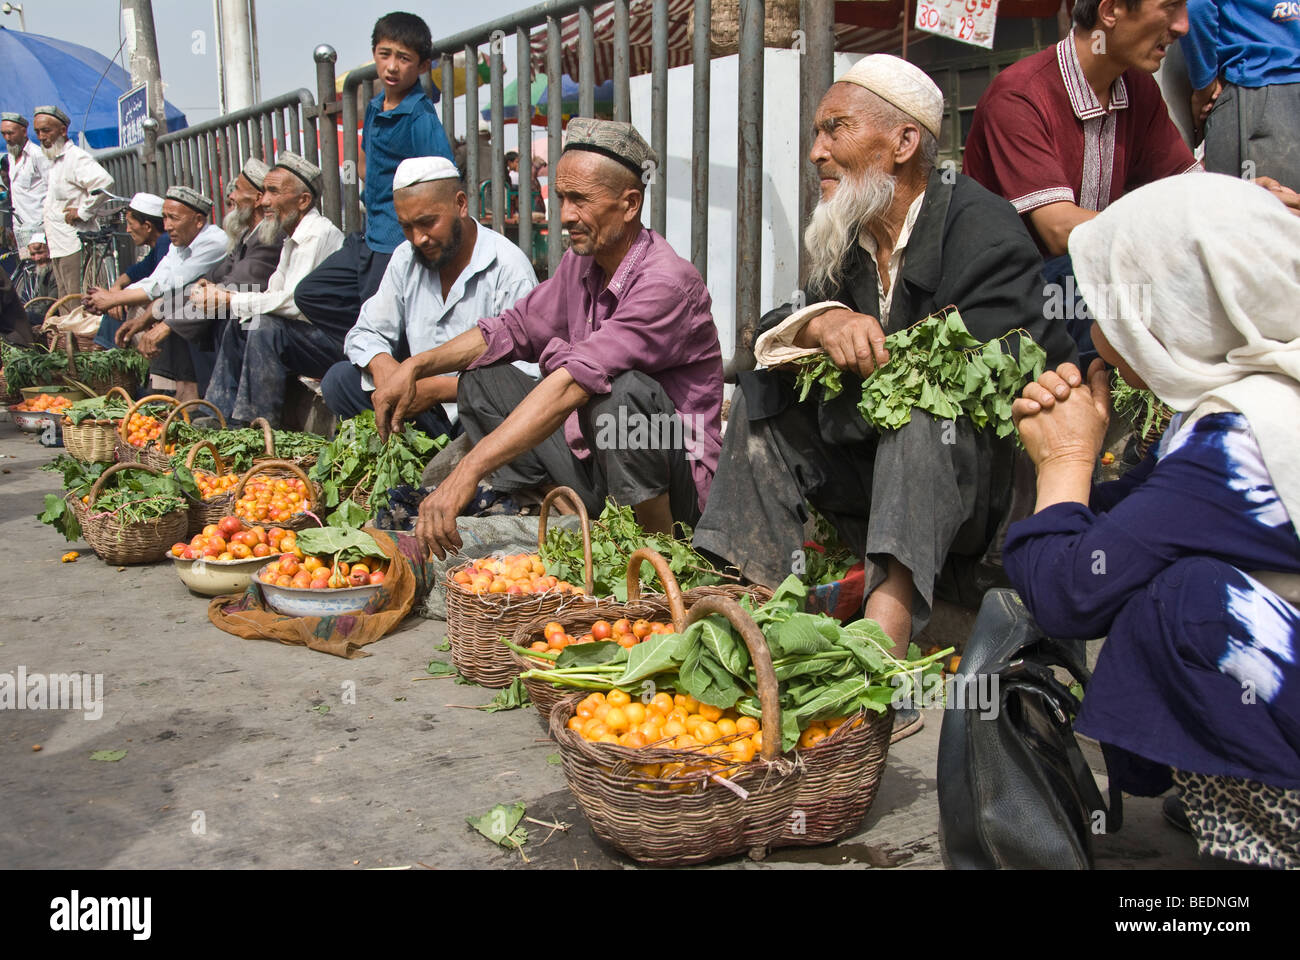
132,108
970,21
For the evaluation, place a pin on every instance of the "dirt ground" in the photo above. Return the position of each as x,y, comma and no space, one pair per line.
232,758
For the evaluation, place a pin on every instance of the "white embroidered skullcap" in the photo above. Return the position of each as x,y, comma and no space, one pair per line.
415,170
147,204
902,84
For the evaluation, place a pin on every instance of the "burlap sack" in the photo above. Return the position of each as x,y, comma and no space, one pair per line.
408,580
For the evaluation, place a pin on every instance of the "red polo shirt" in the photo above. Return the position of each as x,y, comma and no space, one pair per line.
1041,136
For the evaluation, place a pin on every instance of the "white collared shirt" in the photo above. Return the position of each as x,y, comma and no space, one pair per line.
409,302
313,239
74,175
29,178
181,266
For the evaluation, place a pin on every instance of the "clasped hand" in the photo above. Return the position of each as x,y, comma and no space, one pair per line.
1061,416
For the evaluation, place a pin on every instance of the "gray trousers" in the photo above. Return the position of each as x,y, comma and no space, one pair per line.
1259,126
628,469
931,495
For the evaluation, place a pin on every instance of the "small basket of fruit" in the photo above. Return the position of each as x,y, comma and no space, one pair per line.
539,644
222,557
136,520
90,426
489,599
216,490
278,492
158,451
332,572
139,429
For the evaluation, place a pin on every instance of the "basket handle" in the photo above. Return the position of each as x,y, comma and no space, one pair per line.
768,696
99,484
270,464
571,495
182,408
268,438
70,347
672,589
152,398
112,390
58,305
216,457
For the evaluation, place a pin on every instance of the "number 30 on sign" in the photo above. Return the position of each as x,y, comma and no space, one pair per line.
971,21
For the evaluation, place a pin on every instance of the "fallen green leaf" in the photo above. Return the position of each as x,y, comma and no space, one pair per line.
108,756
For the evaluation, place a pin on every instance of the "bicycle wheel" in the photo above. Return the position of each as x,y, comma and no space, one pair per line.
25,281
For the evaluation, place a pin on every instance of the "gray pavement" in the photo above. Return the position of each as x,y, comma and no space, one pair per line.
232,760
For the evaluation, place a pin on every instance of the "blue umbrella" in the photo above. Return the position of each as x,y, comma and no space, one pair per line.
569,97
36,70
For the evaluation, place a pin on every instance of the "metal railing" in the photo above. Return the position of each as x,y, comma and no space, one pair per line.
209,154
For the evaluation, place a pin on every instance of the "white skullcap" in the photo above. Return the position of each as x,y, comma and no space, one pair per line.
902,84
415,170
147,204
37,237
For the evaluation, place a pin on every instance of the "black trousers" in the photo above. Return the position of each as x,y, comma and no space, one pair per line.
254,364
344,395
331,295
624,466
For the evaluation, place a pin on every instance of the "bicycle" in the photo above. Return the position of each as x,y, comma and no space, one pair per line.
101,256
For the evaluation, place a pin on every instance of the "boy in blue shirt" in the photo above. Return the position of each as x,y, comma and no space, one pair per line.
401,122
1243,59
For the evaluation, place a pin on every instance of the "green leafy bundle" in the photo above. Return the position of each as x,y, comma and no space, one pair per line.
30,366
1139,407
615,536
343,543
826,559
238,448
100,365
97,408
823,669
358,459
937,366
133,495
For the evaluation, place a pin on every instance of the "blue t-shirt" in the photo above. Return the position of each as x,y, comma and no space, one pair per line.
1250,43
139,271
411,129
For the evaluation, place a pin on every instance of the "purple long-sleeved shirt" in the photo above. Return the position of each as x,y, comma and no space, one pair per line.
655,316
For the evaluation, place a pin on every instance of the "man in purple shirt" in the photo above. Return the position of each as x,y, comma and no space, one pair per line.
630,401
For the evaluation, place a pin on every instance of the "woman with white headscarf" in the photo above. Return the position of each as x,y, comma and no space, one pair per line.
1188,562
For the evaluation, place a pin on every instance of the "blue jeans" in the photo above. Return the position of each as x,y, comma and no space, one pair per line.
254,364
344,395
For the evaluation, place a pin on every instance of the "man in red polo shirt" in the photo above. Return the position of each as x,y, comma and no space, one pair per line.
1067,131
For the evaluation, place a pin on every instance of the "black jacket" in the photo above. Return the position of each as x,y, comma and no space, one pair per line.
969,248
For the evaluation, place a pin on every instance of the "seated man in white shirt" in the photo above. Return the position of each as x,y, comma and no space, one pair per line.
196,246
272,340
439,283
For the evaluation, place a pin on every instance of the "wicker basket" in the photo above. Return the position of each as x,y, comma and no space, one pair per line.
281,468
72,345
579,620
268,440
155,453
780,21
51,333
699,816
93,441
122,543
204,512
476,623
124,451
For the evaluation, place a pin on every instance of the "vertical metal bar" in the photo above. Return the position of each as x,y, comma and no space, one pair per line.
554,115
449,97
329,138
290,128
524,106
586,64
659,116
622,53
268,136
213,175
816,71
701,78
310,132
277,137
498,102
150,158
351,163
255,147
426,84
749,187
471,131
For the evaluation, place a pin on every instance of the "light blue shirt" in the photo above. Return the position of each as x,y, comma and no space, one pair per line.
183,265
409,302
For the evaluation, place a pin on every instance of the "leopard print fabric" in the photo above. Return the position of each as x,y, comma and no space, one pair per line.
1243,820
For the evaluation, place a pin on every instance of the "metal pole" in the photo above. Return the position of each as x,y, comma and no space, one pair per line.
700,139
150,158
237,34
256,51
328,131
498,102
449,97
220,58
351,163
524,109
471,130
587,64
659,116
554,116
144,55
816,71
749,190
622,54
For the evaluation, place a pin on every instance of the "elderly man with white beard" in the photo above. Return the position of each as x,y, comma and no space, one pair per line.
892,241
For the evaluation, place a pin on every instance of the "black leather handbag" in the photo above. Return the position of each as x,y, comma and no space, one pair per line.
1015,791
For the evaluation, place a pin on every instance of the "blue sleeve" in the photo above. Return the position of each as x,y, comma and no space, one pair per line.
1201,45
1106,495
137,272
431,139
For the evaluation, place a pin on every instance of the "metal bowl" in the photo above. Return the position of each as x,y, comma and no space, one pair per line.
300,602
215,578
34,421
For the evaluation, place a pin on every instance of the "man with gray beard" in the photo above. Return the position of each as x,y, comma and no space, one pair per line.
28,171
893,240
70,197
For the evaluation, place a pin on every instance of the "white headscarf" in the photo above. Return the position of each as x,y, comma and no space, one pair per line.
1205,269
